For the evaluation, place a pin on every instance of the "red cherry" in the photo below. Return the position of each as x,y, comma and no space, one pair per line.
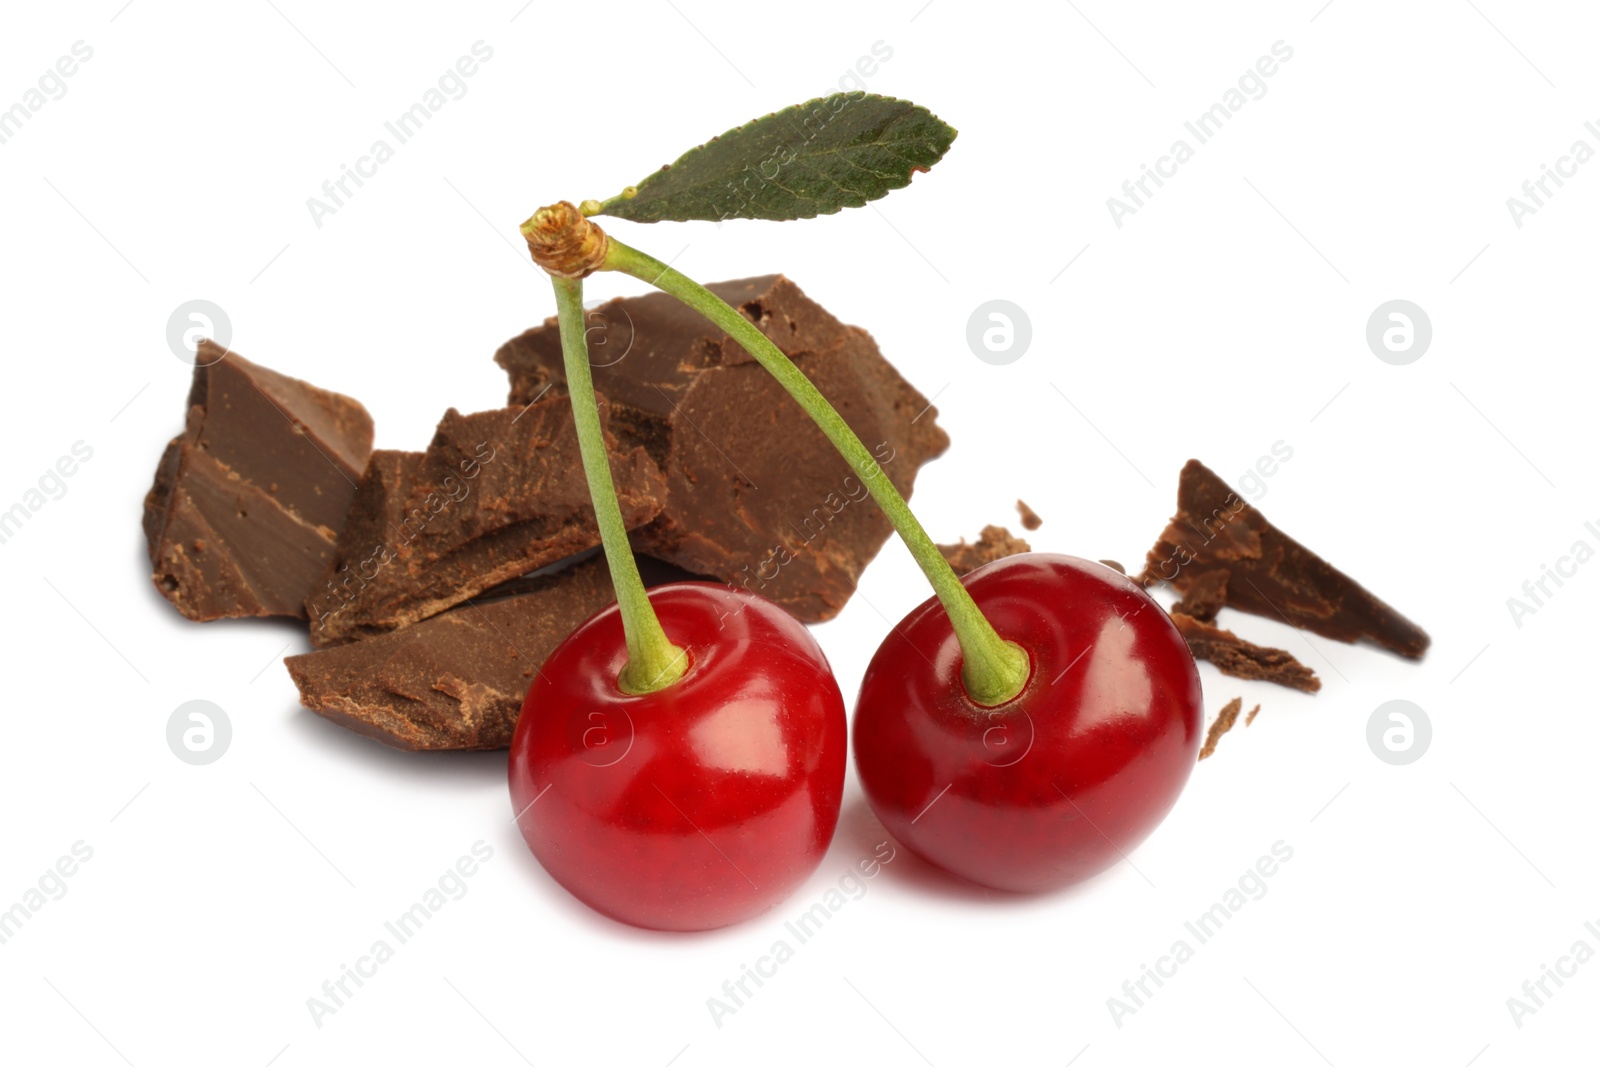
1059,783
698,805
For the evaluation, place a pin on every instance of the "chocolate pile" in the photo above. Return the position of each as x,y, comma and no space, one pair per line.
437,582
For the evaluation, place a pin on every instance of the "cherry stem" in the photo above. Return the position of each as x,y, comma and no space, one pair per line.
654,662
993,669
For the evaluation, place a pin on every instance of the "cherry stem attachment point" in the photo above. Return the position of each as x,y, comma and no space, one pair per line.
993,670
654,662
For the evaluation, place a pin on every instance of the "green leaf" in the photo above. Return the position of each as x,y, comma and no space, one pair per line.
812,159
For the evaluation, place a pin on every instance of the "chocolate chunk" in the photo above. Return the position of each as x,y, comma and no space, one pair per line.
1030,518
457,680
1270,573
757,496
496,495
1250,718
1114,565
242,517
1235,656
1205,596
995,542
1221,725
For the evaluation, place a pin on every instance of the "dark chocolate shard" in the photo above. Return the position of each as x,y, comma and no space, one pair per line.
1030,518
1205,596
457,680
994,542
247,501
1269,573
1235,656
497,494
757,497
1221,725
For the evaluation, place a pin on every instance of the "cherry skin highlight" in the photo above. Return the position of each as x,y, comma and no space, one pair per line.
699,805
1057,784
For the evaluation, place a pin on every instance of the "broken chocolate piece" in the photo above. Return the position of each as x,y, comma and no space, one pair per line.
1030,518
1269,573
247,501
1235,656
757,496
1114,565
1250,718
1205,596
994,542
498,494
457,680
1223,723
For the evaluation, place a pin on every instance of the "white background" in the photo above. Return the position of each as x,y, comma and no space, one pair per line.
1226,315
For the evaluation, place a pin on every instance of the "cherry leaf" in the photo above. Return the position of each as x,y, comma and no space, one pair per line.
811,159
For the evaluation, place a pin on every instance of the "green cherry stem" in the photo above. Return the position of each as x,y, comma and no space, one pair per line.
994,670
654,662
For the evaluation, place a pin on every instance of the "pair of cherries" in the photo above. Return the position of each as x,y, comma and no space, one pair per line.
710,800
679,761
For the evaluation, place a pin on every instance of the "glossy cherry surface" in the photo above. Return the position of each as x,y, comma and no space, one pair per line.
1059,783
701,804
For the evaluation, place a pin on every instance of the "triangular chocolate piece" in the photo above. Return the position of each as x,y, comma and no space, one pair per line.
242,517
1269,573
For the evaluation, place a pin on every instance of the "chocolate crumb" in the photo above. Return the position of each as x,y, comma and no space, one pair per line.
1114,565
1235,656
1030,518
1224,722
1250,718
995,542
